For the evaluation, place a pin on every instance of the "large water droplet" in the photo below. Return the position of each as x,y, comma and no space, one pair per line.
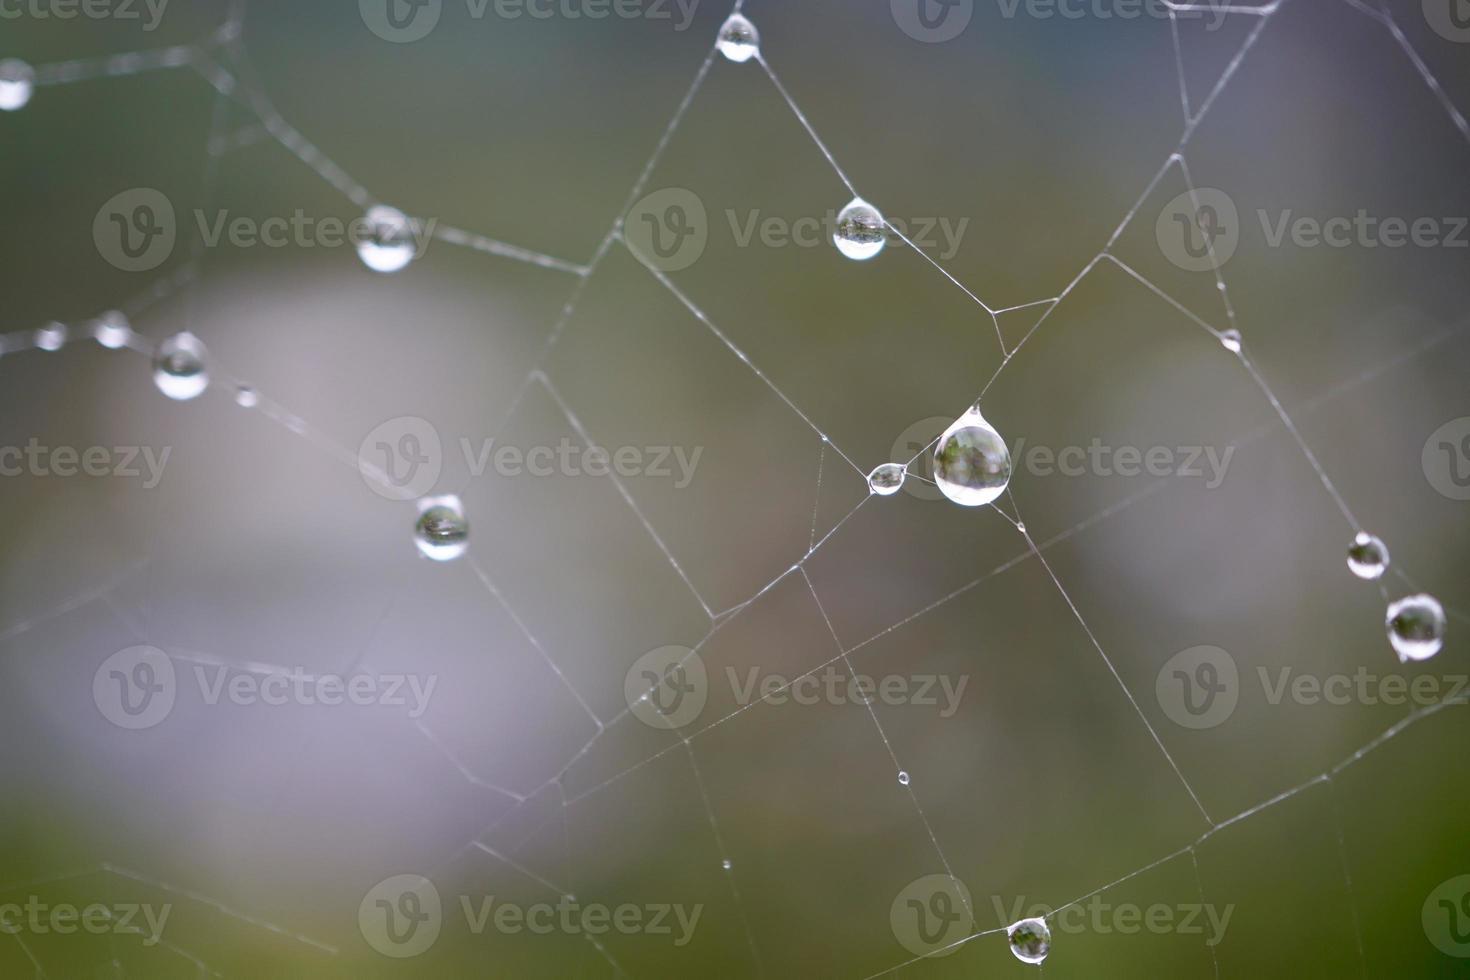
1416,627
442,533
179,367
1030,940
887,479
17,82
971,462
112,330
739,40
860,233
389,244
51,337
1367,556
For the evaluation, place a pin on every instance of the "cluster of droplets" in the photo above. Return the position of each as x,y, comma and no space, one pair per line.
1415,624
442,533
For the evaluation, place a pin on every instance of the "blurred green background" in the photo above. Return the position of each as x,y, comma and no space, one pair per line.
260,826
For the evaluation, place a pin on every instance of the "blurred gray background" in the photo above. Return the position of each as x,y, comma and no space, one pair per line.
259,546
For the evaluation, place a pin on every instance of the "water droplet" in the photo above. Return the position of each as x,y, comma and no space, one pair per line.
51,337
17,81
1367,556
739,40
861,233
903,778
1230,340
179,367
1416,627
726,864
442,533
971,462
1030,940
1021,526
112,330
246,396
389,244
887,479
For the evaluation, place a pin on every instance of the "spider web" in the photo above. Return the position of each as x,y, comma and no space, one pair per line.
531,825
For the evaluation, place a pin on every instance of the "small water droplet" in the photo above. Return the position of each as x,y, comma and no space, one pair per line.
971,462
179,368
112,330
17,82
51,337
1030,940
739,40
887,479
1416,627
389,245
1021,526
442,533
1367,556
903,778
1230,340
246,396
726,864
861,232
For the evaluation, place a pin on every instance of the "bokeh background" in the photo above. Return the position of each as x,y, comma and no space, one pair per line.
263,545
